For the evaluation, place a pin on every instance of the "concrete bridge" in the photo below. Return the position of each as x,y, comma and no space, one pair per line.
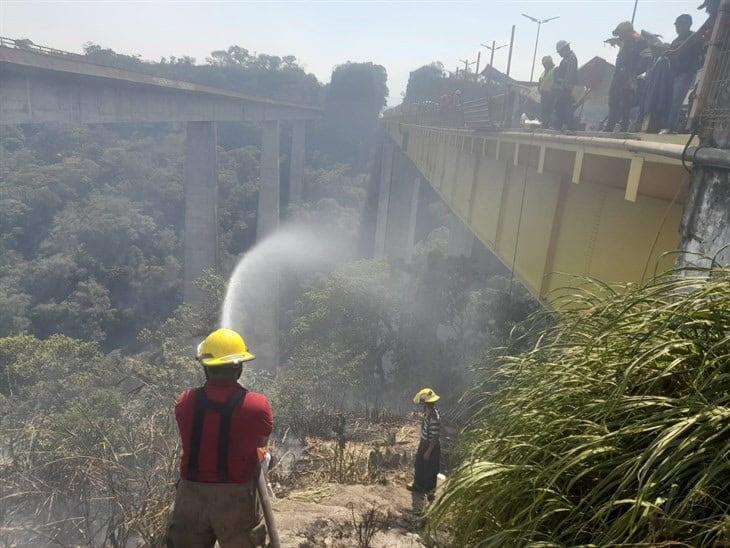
40,85
550,206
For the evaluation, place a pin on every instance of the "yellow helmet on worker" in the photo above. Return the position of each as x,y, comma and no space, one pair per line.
426,395
223,347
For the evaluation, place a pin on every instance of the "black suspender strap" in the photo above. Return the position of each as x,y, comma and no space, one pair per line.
225,410
197,434
224,432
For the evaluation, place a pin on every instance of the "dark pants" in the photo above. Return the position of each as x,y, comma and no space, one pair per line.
426,470
547,106
620,100
564,110
681,86
206,512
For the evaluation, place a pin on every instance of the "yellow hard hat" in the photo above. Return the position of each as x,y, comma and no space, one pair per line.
426,395
223,347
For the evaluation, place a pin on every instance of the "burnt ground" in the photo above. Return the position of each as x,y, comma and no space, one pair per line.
350,490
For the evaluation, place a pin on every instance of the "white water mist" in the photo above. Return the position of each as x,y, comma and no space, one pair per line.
292,248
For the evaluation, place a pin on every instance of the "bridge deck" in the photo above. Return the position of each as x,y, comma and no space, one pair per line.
37,87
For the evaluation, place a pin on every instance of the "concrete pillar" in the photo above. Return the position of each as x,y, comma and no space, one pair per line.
461,239
412,218
296,164
381,222
267,219
706,219
201,200
265,328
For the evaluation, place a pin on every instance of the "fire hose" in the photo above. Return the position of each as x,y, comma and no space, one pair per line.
268,511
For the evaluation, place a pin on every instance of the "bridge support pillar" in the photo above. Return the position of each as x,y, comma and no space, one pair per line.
267,220
265,328
201,199
386,173
461,239
296,165
705,230
412,218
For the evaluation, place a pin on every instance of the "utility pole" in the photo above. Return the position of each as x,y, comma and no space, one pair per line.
511,43
506,118
467,64
479,58
493,48
537,38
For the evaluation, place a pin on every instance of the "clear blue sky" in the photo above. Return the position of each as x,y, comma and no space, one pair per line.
399,35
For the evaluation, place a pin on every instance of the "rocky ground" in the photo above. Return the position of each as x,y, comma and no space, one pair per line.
349,491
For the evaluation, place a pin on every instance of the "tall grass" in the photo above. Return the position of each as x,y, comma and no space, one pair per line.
614,429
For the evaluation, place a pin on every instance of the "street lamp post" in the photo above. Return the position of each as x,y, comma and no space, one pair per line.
537,38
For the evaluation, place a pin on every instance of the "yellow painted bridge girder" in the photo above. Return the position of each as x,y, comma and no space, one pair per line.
553,210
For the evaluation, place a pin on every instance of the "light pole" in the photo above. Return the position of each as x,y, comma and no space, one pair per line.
537,38
467,64
493,48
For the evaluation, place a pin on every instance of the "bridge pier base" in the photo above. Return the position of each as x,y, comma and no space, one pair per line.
461,240
265,328
296,164
201,200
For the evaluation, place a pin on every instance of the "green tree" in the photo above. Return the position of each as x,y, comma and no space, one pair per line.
426,83
355,97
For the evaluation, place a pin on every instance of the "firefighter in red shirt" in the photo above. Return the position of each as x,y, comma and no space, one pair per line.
222,425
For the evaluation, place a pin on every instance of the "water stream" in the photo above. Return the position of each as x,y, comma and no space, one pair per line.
293,248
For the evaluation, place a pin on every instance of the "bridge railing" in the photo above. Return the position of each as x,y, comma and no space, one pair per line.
24,43
711,110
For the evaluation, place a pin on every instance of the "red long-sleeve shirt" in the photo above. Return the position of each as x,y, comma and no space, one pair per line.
251,423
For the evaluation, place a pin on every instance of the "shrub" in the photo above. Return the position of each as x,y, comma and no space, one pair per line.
613,429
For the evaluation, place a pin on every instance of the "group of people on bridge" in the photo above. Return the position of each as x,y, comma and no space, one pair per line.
650,83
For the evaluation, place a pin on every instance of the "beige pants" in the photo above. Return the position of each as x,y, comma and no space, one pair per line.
206,512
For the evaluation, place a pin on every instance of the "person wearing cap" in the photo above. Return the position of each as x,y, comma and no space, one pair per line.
684,68
566,77
428,455
547,95
222,426
690,51
702,35
632,59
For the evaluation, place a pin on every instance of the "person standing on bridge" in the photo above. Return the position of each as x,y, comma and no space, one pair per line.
222,425
428,455
633,58
566,77
547,93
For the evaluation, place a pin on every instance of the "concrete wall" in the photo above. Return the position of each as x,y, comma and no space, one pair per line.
706,219
551,211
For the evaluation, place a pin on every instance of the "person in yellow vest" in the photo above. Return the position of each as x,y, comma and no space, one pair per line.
547,95
428,455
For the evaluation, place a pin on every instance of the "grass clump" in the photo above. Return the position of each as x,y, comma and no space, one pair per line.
614,429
